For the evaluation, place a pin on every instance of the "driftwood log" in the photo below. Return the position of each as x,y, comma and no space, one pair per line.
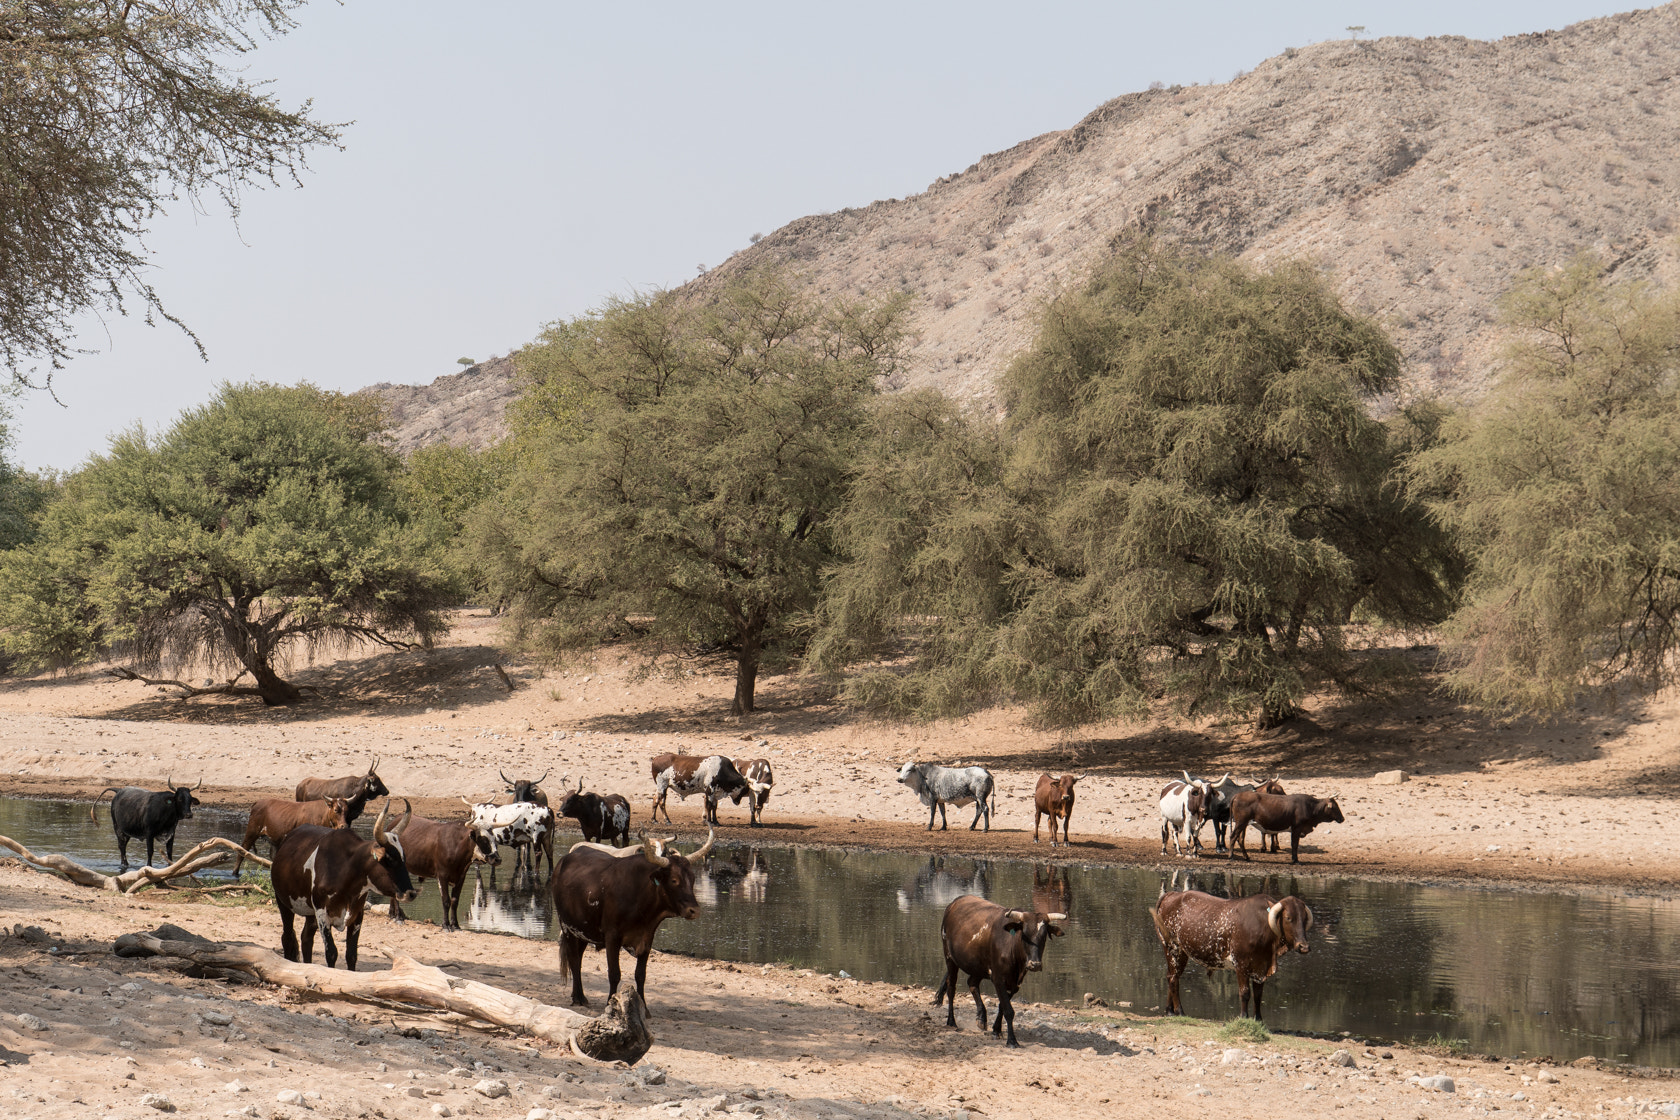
620,1034
213,851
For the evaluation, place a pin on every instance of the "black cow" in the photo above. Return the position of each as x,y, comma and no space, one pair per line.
990,943
141,814
600,818
325,875
524,790
608,900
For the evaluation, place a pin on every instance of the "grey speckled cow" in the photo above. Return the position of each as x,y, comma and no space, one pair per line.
939,786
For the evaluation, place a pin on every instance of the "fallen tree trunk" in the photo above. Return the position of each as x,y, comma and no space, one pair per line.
213,851
620,1034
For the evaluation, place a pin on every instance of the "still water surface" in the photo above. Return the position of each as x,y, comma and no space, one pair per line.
1512,973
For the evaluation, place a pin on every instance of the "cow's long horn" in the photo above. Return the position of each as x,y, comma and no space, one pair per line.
1272,913
379,822
651,850
467,803
505,778
408,814
539,781
1308,909
705,849
1057,917
1188,780
169,782
1223,780
374,765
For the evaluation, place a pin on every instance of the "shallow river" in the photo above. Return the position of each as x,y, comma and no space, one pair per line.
1509,972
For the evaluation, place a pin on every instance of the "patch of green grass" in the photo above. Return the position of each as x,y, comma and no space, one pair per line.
1440,1041
1243,1030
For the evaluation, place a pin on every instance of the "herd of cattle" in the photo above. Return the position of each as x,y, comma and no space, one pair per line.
613,896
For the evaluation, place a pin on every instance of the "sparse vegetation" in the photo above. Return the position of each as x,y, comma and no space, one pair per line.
1244,1030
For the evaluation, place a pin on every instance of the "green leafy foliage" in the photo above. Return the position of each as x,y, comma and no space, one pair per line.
108,111
1565,488
680,463
1188,498
267,517
443,485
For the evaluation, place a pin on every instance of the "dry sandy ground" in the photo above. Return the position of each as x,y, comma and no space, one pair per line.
756,1040
1578,802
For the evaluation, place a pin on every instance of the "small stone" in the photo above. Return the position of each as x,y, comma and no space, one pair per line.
32,1022
157,1101
1439,1083
217,1019
650,1075
235,1087
1547,1077
458,1071
1389,778
553,1092
540,1114
1344,1059
289,1096
1669,1109
1231,1057
198,1063
1519,1096
442,1110
491,1089
1198,1091
414,1091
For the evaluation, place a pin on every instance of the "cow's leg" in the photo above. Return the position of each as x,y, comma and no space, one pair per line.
149,842
329,947
122,850
1259,986
169,847
613,973
1239,838
1006,1015
307,943
288,935
947,993
1175,969
1294,845
352,938
641,973
933,811
1067,819
1036,814
571,957
451,902
943,823
979,1003
979,808
1244,987
1163,836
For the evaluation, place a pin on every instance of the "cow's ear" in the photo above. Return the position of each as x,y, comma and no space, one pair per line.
1012,920
1054,930
378,852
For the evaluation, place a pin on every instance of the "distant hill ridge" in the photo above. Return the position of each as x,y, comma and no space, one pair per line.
1425,175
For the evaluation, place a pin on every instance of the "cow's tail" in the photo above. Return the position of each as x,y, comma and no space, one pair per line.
93,810
1154,916
939,996
565,971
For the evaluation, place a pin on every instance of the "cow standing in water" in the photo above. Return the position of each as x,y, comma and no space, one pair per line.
990,943
1246,935
141,814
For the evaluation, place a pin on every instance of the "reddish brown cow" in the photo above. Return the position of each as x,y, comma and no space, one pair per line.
1054,799
319,789
275,819
607,898
990,943
1245,935
1294,813
1053,894
443,850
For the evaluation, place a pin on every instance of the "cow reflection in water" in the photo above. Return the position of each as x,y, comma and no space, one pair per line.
938,885
742,876
522,912
1051,893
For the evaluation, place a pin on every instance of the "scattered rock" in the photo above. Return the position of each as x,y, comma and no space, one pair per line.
540,1114
1670,1109
235,1087
32,1022
442,1110
1389,778
1231,1057
1439,1083
157,1101
1198,1091
1519,1096
458,1071
217,1019
1344,1059
1546,1077
289,1096
1094,1000
553,1092
414,1091
491,1089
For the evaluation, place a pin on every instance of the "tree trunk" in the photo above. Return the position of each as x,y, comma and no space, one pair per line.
746,675
272,689
619,1035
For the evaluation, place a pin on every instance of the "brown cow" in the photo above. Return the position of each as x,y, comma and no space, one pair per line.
990,943
274,819
1053,798
1294,813
712,776
319,789
325,875
443,850
609,899
1245,935
1053,894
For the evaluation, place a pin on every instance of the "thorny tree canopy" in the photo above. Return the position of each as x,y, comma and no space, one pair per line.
109,109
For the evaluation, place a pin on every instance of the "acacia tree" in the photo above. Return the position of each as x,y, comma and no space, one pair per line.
109,109
1189,498
1565,486
266,518
693,456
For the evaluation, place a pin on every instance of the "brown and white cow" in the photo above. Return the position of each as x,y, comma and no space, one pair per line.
990,943
1053,798
607,898
1245,935
712,776
443,850
325,875
319,789
759,778
1294,813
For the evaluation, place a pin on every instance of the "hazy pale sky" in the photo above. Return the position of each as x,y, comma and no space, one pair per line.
512,163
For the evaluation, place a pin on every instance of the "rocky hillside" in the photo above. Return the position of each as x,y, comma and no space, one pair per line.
1425,175
467,409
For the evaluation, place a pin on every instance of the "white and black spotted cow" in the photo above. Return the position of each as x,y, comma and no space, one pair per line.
712,776
325,874
760,778
939,786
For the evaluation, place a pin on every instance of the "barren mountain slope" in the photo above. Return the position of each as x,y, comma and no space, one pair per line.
466,409
1423,174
